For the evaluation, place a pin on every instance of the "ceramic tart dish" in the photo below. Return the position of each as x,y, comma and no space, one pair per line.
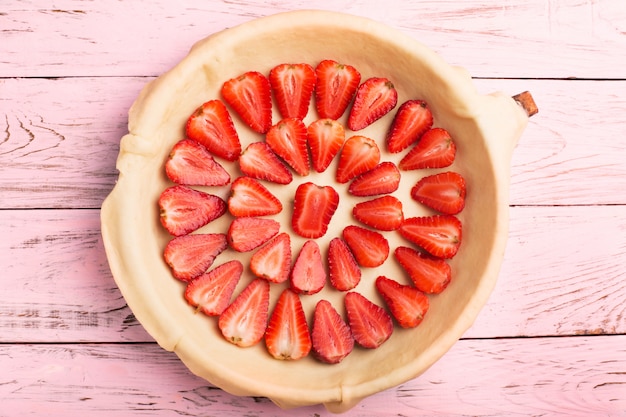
485,129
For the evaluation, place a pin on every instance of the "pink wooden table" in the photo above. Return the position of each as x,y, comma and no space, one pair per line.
550,341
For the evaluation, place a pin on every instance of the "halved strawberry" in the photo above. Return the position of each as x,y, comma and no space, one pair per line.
190,163
244,321
211,292
438,235
249,198
287,139
343,271
308,275
407,304
375,98
260,162
435,149
381,213
293,86
287,335
212,126
429,274
370,324
250,96
325,137
314,206
370,248
444,192
358,155
247,233
336,85
331,336
384,178
409,124
184,210
191,255
273,261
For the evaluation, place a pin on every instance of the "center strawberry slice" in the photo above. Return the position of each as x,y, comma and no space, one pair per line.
314,206
288,139
370,324
287,334
249,198
243,323
331,336
293,86
375,98
250,96
212,126
336,85
358,155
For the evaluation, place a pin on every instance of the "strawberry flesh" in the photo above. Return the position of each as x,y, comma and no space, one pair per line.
381,213
439,235
249,198
343,271
250,96
443,192
409,124
325,138
428,273
190,163
212,126
293,86
374,98
370,248
191,255
358,155
260,162
248,233
273,261
330,335
336,86
308,275
435,149
287,335
370,324
384,178
288,139
314,207
211,292
184,210
407,304
244,321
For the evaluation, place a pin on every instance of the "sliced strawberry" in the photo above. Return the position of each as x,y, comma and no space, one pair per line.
260,162
287,335
438,235
370,324
325,137
287,139
359,155
336,85
407,304
429,274
249,198
293,86
250,96
191,255
314,206
331,336
212,126
343,271
384,178
183,209
370,248
190,163
381,213
444,192
211,292
244,321
375,98
409,124
247,233
308,275
435,149
273,261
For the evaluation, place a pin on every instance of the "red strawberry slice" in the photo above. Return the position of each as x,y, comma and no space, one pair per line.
429,274
407,304
191,255
370,324
184,210
308,275
343,271
260,162
247,233
444,192
273,261
438,235
190,163
314,206
325,137
287,139
384,178
370,248
336,85
435,149
287,334
243,323
381,213
359,155
211,292
250,96
293,86
331,336
409,124
249,198
375,98
212,126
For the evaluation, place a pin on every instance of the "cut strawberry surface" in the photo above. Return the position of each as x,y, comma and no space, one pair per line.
288,139
343,271
370,248
358,155
249,198
287,335
273,261
247,233
336,86
435,149
429,274
314,207
381,213
384,178
243,323
409,124
260,162
439,235
191,255
369,323
212,126
190,163
330,335
325,138
308,275
443,192
374,98
211,292
293,86
184,210
407,304
250,96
